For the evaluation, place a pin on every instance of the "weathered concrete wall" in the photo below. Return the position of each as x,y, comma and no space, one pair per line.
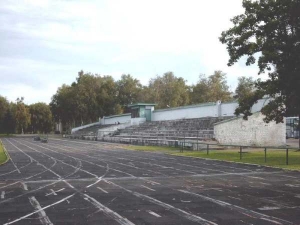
123,118
186,112
84,126
202,110
253,132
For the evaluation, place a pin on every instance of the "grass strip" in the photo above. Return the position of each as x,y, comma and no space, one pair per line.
3,154
275,157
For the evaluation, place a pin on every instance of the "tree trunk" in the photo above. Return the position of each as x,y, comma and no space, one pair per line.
299,130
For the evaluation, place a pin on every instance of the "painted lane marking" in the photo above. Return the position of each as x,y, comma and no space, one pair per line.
169,207
24,186
94,183
234,198
245,211
42,214
60,190
292,185
9,185
152,182
15,165
51,193
108,212
41,209
268,208
153,213
259,178
2,194
147,188
272,221
102,190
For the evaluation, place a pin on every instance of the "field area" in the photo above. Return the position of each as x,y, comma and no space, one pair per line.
85,182
3,156
274,157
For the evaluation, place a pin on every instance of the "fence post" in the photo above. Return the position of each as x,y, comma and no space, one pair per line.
184,138
197,140
241,149
265,155
207,149
287,156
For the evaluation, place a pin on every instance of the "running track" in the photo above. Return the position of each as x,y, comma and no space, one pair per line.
81,182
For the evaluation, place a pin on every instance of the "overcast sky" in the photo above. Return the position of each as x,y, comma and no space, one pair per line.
44,44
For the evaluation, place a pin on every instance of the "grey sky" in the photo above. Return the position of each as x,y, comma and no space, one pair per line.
44,44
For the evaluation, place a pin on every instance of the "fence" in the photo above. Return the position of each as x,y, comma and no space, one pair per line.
191,140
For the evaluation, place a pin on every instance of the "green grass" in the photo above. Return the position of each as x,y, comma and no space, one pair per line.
5,135
164,149
275,158
3,156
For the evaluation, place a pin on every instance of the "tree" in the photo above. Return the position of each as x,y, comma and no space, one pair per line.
168,91
211,89
4,107
22,115
245,87
128,90
9,123
41,118
270,31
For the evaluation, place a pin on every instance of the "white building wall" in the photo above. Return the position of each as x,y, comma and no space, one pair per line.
202,110
252,132
186,112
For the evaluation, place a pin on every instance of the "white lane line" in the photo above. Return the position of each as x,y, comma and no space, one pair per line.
60,190
238,208
42,214
2,194
102,190
37,211
51,193
14,165
108,212
9,185
153,213
147,188
93,183
272,221
171,208
24,186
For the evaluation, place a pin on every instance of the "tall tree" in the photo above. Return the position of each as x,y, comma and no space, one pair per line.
211,89
245,88
128,90
22,115
168,91
4,107
270,31
41,118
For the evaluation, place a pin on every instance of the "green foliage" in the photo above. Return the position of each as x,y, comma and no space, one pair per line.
168,91
4,107
211,89
41,118
269,30
128,90
22,116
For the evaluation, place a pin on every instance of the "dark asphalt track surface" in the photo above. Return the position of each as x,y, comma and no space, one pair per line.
81,182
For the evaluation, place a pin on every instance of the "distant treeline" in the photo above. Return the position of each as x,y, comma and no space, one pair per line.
92,96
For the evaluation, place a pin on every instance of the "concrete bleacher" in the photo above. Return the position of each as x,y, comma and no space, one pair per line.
89,132
169,132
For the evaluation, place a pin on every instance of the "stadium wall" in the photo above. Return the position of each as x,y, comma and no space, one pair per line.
251,132
217,109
